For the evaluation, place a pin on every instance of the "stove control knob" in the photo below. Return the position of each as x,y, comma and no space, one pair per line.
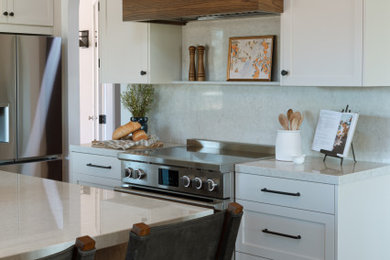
139,174
128,172
211,185
186,181
198,183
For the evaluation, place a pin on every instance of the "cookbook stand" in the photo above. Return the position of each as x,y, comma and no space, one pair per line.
333,154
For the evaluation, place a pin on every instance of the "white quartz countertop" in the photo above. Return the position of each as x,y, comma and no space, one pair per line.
88,148
314,169
40,217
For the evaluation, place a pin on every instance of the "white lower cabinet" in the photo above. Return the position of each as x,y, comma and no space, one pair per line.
95,170
285,219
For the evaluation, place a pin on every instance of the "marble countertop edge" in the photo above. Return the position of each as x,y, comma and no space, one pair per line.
315,170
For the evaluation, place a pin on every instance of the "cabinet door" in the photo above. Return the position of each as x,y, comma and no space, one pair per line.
3,9
376,43
322,42
123,46
28,12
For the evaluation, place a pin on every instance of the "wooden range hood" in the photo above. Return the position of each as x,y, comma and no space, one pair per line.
187,10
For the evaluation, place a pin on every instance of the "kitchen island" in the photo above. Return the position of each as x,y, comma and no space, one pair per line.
39,217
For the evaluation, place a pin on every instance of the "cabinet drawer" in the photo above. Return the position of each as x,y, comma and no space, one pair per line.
96,165
282,233
290,193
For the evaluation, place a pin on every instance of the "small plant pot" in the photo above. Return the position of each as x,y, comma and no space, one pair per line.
288,145
143,121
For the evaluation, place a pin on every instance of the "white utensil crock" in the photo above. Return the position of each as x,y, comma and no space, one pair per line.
288,145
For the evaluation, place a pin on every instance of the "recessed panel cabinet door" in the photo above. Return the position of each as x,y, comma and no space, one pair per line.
123,46
322,43
376,43
31,12
3,11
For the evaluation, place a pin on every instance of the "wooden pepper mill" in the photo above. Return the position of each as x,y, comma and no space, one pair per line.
192,73
201,73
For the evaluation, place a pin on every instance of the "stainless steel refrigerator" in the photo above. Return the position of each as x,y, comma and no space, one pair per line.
30,105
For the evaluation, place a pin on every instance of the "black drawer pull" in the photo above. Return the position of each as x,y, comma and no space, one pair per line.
98,166
281,192
281,234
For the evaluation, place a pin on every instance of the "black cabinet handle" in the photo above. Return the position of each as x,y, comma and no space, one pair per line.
281,192
284,72
5,13
11,14
281,234
98,166
143,73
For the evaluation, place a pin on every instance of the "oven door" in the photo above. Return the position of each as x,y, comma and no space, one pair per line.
215,204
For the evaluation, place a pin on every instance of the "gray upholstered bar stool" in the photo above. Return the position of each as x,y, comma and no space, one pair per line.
210,237
84,249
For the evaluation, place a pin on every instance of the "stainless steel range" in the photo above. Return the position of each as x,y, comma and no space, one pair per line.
201,173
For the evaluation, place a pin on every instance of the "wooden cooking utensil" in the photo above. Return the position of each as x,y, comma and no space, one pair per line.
293,116
283,121
294,124
290,112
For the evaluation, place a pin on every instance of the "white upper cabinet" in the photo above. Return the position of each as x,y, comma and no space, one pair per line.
132,52
27,16
31,12
322,43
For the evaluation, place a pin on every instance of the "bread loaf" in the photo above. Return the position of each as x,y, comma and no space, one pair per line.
125,130
139,135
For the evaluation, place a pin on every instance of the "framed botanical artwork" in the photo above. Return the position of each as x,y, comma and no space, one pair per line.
250,58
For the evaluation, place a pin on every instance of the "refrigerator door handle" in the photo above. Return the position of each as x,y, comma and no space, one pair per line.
4,123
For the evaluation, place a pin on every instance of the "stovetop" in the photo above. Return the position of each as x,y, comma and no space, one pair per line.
211,155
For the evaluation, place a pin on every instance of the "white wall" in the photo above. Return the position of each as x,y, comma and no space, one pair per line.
87,74
66,26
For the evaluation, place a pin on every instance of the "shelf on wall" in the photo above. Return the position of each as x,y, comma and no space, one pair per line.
228,83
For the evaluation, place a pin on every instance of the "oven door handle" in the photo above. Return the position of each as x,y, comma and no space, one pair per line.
216,204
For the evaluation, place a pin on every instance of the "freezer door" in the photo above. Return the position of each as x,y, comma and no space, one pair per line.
44,169
7,97
39,96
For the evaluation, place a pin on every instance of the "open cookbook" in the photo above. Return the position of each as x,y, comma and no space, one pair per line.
335,132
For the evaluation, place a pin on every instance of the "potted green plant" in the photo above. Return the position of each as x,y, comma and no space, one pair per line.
138,99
